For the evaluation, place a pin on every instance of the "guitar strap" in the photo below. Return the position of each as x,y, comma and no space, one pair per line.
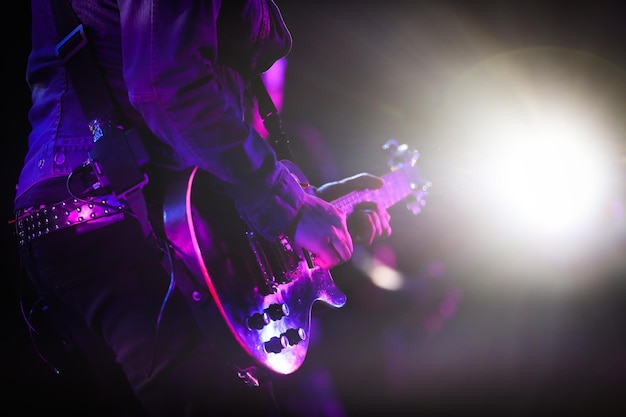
118,153
271,120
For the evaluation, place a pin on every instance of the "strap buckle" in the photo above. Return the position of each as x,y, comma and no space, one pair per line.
71,44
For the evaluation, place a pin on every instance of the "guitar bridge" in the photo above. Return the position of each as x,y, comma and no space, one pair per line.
287,259
278,261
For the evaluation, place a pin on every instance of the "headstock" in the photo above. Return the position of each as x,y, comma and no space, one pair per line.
405,159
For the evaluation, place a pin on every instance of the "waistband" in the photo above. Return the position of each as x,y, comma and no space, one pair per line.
34,222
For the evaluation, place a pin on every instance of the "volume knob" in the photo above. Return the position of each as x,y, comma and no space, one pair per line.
258,320
295,336
277,311
276,344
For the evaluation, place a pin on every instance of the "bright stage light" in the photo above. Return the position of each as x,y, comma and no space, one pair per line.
539,139
385,277
552,179
534,165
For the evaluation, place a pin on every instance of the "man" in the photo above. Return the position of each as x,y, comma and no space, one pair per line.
180,74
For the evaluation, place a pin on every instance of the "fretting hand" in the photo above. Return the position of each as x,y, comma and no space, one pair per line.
329,233
368,221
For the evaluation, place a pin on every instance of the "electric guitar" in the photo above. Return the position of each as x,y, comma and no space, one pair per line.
265,290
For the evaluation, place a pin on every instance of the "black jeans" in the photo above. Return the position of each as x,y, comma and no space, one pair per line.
108,288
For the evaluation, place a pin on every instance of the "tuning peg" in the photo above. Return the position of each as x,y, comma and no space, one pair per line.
400,155
416,201
415,205
391,146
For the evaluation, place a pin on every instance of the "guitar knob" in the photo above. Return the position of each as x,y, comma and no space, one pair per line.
276,344
277,311
258,321
295,336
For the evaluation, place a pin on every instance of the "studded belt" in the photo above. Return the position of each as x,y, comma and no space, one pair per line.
34,222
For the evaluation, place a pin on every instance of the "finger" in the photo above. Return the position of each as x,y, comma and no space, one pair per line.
369,229
380,220
322,261
379,225
327,258
388,229
335,249
358,224
368,225
384,223
343,247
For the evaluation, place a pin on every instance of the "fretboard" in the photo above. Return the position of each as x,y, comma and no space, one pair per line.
397,187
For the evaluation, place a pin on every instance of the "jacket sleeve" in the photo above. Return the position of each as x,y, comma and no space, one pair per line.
192,104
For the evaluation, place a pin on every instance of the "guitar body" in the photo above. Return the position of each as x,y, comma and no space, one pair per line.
264,290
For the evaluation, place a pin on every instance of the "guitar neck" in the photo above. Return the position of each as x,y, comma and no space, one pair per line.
397,187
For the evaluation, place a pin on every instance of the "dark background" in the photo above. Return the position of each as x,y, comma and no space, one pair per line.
473,331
